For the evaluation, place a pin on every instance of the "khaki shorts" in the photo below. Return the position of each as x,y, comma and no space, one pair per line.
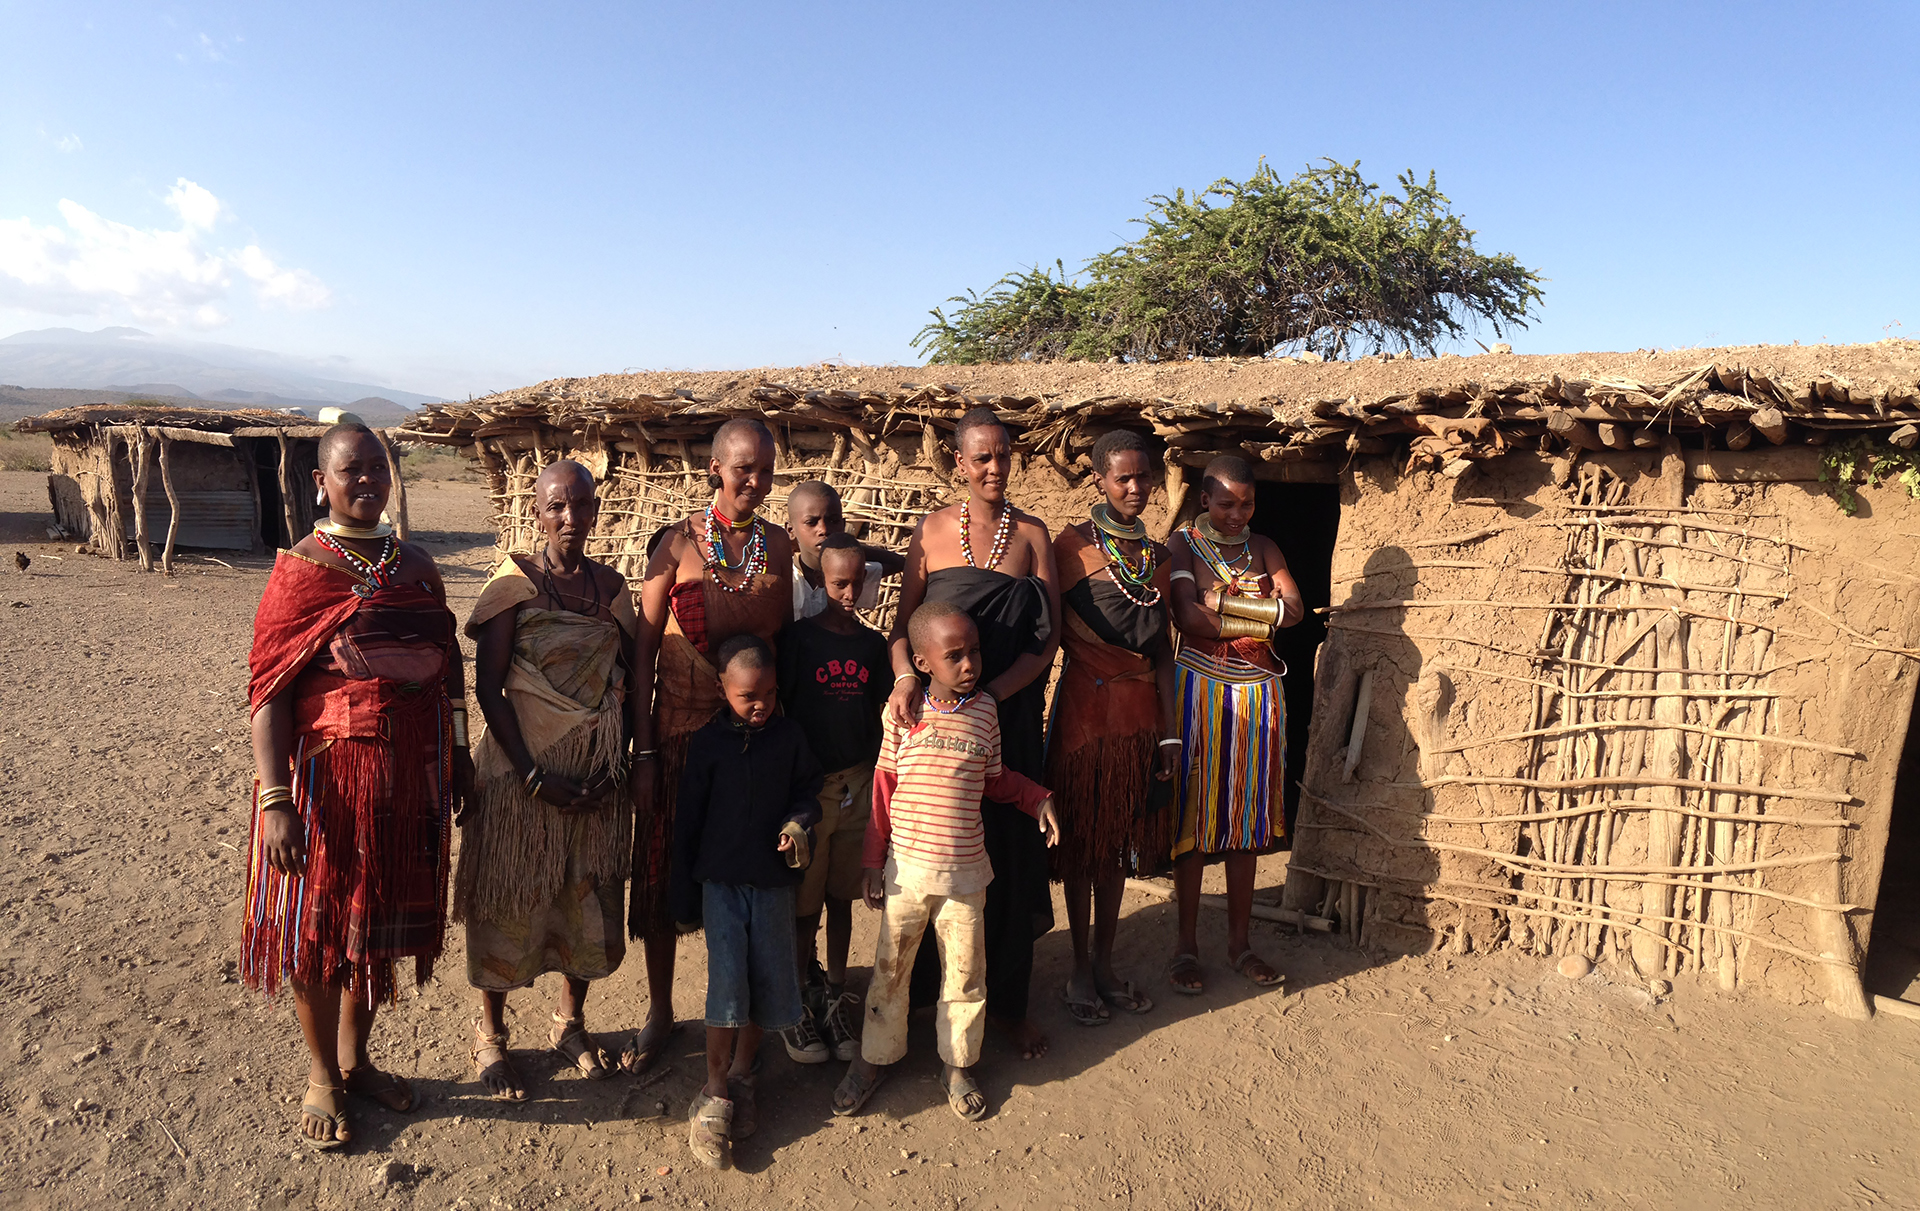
846,803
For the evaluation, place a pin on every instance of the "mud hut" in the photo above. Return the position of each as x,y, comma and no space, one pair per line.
234,480
1613,656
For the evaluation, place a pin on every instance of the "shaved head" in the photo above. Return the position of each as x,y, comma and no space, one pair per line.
929,618
740,428
843,546
342,435
808,492
567,472
1226,469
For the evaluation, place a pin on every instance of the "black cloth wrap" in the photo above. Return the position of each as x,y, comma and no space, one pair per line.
1011,614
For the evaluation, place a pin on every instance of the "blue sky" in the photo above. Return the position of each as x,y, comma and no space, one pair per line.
461,198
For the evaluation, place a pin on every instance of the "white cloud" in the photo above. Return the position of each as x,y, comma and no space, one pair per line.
295,288
197,207
65,144
94,265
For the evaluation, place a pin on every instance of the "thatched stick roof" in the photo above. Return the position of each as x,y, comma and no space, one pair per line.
1443,408
181,422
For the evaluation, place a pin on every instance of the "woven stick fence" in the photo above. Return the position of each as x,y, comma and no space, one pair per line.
1654,699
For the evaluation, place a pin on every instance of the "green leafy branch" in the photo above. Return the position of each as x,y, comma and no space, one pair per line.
1870,461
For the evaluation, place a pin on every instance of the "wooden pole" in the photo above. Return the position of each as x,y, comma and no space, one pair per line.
401,529
1772,425
1357,735
1176,495
113,540
173,502
286,491
142,452
1563,425
253,490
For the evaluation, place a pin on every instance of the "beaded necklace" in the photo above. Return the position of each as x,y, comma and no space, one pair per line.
753,560
1001,534
1125,574
933,704
379,573
1232,578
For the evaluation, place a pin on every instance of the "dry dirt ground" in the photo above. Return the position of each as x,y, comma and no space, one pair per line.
135,1070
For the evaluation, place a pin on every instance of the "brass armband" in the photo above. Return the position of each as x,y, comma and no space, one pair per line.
1265,610
1243,628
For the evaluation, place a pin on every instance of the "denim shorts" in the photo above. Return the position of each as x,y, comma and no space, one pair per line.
752,972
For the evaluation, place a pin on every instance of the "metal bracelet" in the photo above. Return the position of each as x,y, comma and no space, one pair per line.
1261,609
1243,628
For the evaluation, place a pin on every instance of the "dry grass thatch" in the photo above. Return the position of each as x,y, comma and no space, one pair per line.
879,436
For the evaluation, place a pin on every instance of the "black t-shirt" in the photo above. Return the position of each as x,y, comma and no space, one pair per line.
835,687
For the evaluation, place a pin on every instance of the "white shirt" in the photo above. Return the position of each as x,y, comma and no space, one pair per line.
808,601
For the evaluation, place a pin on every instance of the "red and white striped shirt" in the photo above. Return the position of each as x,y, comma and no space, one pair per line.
926,831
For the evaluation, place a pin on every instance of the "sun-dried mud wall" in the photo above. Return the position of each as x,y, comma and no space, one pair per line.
885,487
1613,712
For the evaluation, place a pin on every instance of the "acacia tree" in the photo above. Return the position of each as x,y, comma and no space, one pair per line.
1323,262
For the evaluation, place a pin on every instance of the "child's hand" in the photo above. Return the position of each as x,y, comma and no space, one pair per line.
795,843
1169,762
903,704
1049,823
874,887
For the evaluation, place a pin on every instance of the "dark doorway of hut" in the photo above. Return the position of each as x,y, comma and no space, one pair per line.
266,476
1893,948
1304,520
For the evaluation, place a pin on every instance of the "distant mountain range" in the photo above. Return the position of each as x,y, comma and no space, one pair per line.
124,362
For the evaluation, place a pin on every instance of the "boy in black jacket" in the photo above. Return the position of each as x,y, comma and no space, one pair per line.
740,838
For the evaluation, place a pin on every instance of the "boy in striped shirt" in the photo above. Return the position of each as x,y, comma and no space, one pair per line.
926,860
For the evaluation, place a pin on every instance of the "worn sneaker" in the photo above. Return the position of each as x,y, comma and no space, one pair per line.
815,993
804,1045
841,1025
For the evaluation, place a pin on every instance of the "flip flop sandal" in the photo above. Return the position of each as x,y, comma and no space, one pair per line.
852,1093
647,1056
1185,964
497,1042
330,1142
709,1127
1126,998
379,1086
1247,959
959,1092
578,1046
1086,1012
746,1110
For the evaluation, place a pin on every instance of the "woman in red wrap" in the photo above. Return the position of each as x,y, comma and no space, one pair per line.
359,745
1114,739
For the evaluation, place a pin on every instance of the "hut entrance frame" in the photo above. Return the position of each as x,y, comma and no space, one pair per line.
1893,948
1303,519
